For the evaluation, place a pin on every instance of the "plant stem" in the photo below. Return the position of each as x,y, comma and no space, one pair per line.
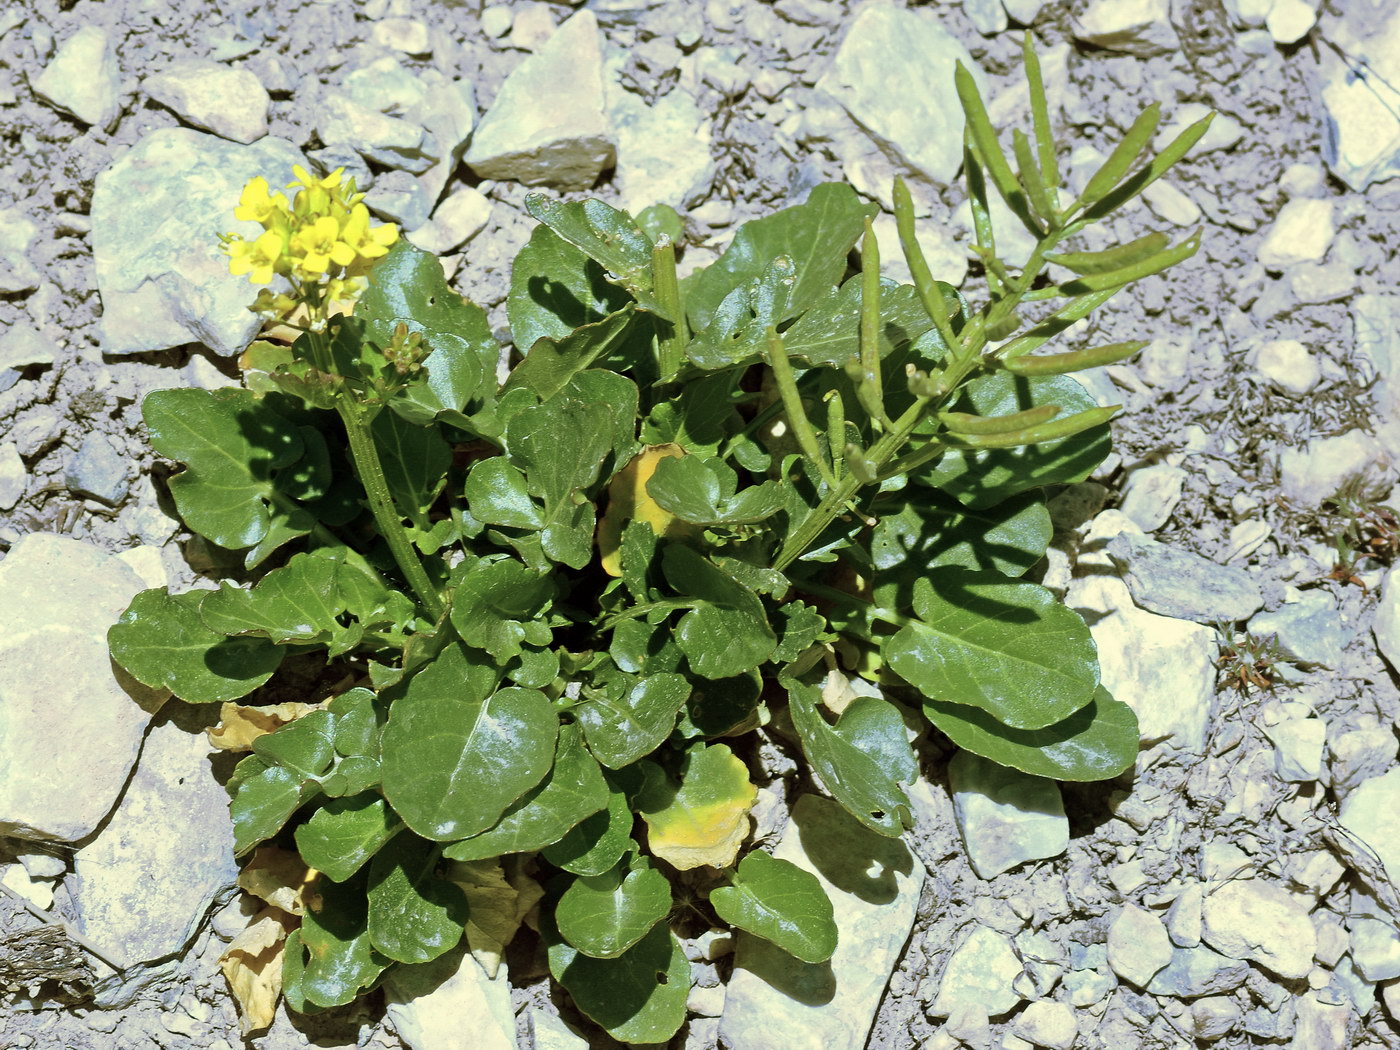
671,352
381,505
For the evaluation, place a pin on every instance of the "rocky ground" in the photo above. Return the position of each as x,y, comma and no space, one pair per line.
1239,889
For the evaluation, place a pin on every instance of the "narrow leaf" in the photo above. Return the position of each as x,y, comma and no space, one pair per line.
1154,170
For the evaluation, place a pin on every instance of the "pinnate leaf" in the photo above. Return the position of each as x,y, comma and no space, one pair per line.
780,902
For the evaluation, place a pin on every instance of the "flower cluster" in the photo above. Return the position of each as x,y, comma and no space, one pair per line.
321,238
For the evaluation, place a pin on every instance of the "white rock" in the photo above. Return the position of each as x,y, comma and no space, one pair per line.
1298,744
408,35
551,1033
147,563
889,52
1047,1023
874,883
1303,180
946,258
450,1004
22,346
388,140
1151,495
1375,323
156,216
145,883
1289,365
1289,21
229,102
1171,205
1391,993
1302,232
1320,469
980,974
17,232
1184,916
987,16
1138,27
1372,939
547,125
1005,817
1163,668
1138,945
457,219
65,718
1360,754
1362,143
84,79
1262,922
1321,1025
13,476
533,25
17,878
1372,813
663,147
1386,625
1322,282
1246,537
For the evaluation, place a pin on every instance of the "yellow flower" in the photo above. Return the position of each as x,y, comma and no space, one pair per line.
260,259
257,205
368,243
318,244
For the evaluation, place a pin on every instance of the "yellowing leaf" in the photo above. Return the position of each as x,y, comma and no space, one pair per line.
707,818
278,876
239,726
628,501
497,903
252,965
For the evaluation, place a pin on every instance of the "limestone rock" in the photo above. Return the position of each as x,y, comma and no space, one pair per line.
231,103
1151,495
22,346
18,273
1360,754
1048,1024
451,1004
156,217
980,973
1138,945
457,219
1308,631
889,52
1213,1017
146,882
1375,323
1322,282
1372,813
13,476
1198,971
387,140
874,883
1319,469
1298,744
1302,232
1288,365
1289,21
98,470
1262,922
1182,584
1005,817
83,79
1137,27
65,717
1362,140
547,126
409,35
663,148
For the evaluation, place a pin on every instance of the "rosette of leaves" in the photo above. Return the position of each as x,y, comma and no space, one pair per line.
567,599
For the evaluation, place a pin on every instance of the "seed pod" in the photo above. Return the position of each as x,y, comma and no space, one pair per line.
965,423
1073,361
1155,169
1052,431
1110,259
860,467
1124,154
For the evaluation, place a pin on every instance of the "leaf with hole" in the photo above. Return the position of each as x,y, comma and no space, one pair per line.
638,997
604,915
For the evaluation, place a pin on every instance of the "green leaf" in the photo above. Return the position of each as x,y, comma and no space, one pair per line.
161,640
698,418
802,626
630,717
408,287
859,779
737,333
358,719
702,491
573,790
414,916
726,632
232,443
817,235
498,495
556,288
340,961
780,902
829,333
598,842
551,364
264,799
606,235
704,819
984,478
638,997
1097,742
604,915
344,833
721,706
1005,646
415,461
351,775
453,761
496,607
304,746
560,445
928,531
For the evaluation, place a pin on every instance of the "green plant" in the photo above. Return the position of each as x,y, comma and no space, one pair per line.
1362,529
798,472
